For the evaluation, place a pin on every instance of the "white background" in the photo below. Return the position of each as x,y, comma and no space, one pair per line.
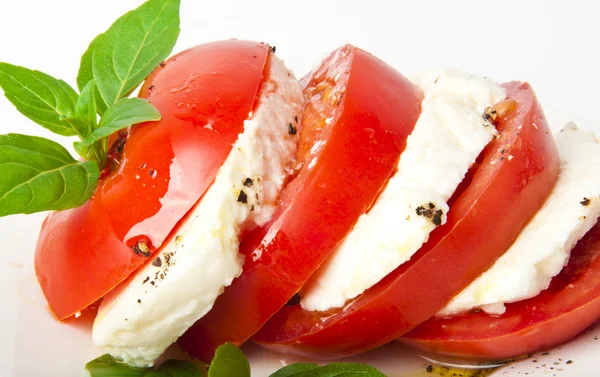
552,44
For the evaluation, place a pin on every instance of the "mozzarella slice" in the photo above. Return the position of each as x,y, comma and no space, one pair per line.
543,247
448,137
168,295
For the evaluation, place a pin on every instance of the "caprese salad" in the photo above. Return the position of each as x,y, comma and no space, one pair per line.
230,202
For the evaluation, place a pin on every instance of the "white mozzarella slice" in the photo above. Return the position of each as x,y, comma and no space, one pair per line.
543,247
448,137
167,296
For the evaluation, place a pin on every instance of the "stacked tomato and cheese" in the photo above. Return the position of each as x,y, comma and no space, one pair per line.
330,217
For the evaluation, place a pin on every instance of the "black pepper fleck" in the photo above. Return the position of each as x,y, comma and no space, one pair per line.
248,182
430,213
585,202
489,115
152,282
569,361
139,301
292,129
162,64
437,218
296,119
273,49
141,248
429,368
146,280
242,197
151,87
545,353
157,262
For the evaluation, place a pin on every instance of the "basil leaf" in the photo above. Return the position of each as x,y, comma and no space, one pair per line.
37,175
177,368
292,369
85,107
47,101
229,361
107,366
86,73
340,370
81,149
133,46
123,114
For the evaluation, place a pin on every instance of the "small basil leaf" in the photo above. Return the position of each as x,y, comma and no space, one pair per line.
82,150
107,366
86,74
229,361
38,175
177,368
123,114
341,370
133,46
85,107
292,369
40,97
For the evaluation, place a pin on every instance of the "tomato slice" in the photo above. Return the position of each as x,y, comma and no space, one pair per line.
204,95
487,213
359,114
566,308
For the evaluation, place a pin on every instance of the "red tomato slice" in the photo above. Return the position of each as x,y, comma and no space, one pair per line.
166,167
566,308
355,125
486,216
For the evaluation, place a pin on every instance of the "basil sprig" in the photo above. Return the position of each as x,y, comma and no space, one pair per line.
229,361
37,174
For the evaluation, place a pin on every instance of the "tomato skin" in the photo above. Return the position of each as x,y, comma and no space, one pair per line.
570,305
165,168
485,217
362,146
168,165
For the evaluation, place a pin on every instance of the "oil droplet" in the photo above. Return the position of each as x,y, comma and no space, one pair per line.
137,176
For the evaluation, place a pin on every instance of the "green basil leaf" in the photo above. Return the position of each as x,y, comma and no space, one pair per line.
107,366
81,149
177,368
229,361
292,369
123,114
85,107
133,47
86,73
47,101
340,370
37,175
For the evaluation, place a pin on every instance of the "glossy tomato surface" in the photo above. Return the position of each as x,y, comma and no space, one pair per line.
204,95
486,214
357,118
566,308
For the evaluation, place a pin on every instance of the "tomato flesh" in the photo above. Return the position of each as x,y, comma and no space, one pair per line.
566,308
204,95
487,213
350,144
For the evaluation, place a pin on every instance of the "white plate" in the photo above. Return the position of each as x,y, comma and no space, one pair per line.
551,45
